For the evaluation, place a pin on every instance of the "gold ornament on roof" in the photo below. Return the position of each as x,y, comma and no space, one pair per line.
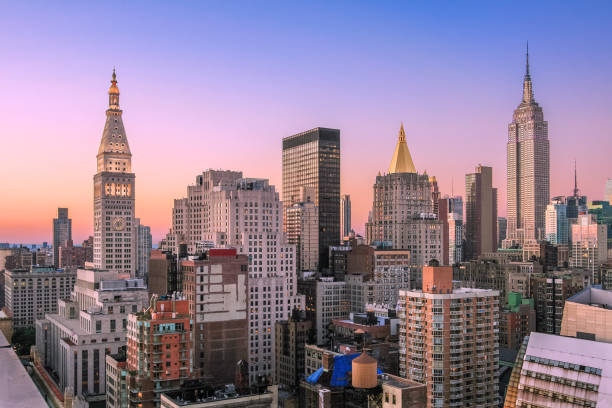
402,161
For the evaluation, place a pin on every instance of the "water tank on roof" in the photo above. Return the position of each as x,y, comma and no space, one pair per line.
364,373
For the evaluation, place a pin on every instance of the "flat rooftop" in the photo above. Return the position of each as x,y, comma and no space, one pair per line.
16,386
576,352
593,296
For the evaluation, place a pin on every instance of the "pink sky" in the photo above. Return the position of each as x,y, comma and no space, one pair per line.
207,94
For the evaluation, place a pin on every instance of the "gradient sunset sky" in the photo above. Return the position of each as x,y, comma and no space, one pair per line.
219,84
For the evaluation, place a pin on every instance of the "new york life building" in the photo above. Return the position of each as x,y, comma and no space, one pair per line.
226,210
404,211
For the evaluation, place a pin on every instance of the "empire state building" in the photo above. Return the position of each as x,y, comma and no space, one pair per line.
528,169
114,227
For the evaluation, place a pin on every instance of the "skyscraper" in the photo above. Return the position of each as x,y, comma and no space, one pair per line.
528,169
480,213
225,210
556,221
62,232
450,212
403,214
312,159
114,183
608,191
345,216
143,245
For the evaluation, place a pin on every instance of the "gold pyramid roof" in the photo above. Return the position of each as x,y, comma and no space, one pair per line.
401,161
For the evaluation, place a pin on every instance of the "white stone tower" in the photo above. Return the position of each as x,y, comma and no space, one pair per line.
114,232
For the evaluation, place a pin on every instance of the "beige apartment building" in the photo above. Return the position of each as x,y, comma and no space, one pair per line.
448,340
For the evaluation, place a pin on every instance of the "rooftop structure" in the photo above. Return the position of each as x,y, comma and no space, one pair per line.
588,315
16,386
205,396
564,371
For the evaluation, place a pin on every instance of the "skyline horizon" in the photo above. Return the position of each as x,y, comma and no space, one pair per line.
228,101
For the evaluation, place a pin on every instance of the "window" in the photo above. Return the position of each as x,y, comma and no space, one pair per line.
99,326
113,324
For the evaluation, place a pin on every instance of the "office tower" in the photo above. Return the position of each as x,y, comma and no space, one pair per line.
303,230
450,212
608,191
159,350
589,243
227,210
603,211
291,338
215,284
528,179
62,232
557,371
345,216
502,225
312,159
32,292
143,245
164,278
448,340
480,213
588,315
517,320
403,209
114,184
556,222
72,343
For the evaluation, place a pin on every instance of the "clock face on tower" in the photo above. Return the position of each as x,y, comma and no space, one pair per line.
118,223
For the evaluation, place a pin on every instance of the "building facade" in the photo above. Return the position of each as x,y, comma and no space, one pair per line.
291,338
480,213
589,243
561,371
92,323
226,210
312,159
62,232
528,177
164,276
448,340
216,287
114,192
159,350
303,231
33,292
143,245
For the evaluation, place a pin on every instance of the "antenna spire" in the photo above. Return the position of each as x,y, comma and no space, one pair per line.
575,180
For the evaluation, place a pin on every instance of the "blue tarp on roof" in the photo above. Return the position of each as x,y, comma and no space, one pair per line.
314,377
342,365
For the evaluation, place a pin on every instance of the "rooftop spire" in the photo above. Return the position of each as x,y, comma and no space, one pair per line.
527,61
113,93
401,161
527,85
575,180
